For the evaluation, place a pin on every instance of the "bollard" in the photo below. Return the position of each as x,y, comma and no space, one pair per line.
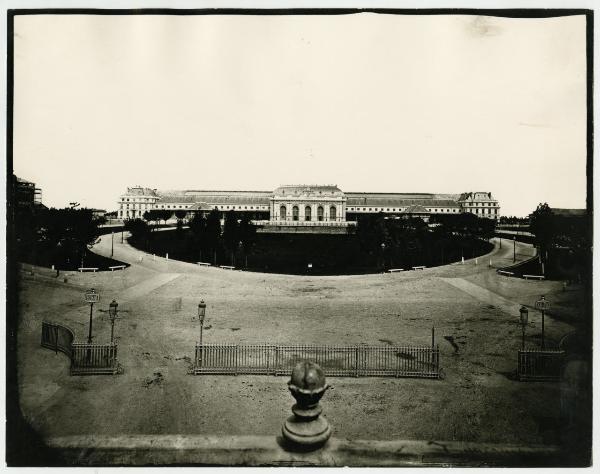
462,260
52,267
475,261
306,430
167,256
153,257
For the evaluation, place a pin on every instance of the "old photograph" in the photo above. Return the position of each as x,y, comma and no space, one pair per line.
299,238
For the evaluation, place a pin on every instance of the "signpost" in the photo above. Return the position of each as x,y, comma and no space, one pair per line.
91,296
542,305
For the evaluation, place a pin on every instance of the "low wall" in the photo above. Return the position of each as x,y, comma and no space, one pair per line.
135,450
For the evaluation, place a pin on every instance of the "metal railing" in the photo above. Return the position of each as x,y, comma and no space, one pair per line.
94,359
57,338
340,361
540,365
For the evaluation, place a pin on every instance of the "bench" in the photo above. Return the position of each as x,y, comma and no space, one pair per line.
420,267
227,267
117,267
504,272
87,269
535,277
392,270
204,264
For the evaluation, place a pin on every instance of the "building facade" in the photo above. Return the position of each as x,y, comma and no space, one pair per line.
308,205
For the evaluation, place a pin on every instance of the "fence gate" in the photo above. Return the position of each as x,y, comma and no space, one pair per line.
57,337
341,361
540,365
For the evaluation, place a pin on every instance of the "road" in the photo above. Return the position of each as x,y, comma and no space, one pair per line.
471,307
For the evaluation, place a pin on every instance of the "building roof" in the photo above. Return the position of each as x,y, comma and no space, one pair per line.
307,190
562,212
398,202
470,196
252,200
416,209
140,191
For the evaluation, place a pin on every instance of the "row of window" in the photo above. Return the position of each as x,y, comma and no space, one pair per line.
387,209
307,213
482,204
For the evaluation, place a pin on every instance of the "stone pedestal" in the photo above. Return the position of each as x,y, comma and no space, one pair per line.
306,429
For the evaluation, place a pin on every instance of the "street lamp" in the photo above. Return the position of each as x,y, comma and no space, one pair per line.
112,313
382,256
524,313
201,314
542,305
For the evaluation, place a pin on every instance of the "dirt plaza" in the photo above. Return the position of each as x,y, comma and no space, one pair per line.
475,313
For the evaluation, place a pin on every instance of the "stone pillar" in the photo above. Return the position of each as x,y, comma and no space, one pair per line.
306,430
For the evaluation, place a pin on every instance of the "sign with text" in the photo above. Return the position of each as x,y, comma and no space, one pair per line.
91,296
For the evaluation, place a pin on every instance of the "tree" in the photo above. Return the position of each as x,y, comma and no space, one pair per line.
213,232
139,229
65,233
198,232
542,227
231,235
247,234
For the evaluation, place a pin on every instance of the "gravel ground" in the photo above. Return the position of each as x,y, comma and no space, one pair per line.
476,401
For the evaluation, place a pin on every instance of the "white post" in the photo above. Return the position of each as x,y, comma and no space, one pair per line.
462,260
475,261
167,256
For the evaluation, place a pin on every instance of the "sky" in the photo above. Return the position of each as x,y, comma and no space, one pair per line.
370,102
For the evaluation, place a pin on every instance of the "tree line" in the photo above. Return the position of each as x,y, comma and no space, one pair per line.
206,239
53,236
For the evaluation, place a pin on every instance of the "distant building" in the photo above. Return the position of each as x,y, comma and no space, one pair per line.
306,205
25,193
561,212
135,201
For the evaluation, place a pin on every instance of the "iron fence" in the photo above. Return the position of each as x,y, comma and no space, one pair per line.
340,361
94,359
57,337
538,365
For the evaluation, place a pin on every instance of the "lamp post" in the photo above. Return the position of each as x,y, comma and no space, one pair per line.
542,305
201,314
514,249
382,256
524,314
112,313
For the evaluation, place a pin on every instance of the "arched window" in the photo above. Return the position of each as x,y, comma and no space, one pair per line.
282,213
332,213
320,213
295,213
307,212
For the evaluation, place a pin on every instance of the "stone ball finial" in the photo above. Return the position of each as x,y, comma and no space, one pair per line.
306,429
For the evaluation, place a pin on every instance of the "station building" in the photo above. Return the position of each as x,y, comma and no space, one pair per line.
306,206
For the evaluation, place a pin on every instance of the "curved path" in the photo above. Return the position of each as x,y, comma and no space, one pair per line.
471,307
